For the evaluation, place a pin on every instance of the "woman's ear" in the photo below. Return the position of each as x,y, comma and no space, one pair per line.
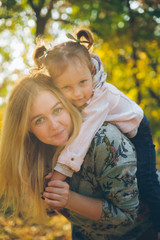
93,71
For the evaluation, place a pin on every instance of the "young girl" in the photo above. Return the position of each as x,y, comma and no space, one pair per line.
80,77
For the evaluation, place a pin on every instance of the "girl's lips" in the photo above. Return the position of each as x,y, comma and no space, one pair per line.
78,100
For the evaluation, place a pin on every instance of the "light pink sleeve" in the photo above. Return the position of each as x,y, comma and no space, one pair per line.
107,104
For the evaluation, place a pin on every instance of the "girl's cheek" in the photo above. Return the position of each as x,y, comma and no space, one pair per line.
68,96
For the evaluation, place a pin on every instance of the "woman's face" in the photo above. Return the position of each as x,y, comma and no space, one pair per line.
50,122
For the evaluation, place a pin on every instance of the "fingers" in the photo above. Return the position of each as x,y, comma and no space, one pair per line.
56,194
48,176
56,205
55,201
57,187
57,183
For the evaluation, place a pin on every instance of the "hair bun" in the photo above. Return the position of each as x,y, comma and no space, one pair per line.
86,34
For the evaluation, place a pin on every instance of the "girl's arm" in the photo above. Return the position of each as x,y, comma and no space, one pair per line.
107,104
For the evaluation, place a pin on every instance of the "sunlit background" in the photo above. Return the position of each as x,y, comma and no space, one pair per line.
127,39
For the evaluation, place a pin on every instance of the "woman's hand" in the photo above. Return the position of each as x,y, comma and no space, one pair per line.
57,194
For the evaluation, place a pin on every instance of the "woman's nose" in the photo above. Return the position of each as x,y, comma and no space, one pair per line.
53,123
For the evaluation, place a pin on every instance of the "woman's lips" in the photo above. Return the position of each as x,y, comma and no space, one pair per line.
58,133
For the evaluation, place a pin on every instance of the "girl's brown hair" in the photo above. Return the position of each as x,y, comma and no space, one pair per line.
56,59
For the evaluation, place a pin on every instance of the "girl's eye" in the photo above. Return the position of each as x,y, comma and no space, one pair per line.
65,88
39,121
83,81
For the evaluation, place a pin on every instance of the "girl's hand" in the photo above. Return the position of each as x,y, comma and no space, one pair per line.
58,176
49,176
57,194
55,176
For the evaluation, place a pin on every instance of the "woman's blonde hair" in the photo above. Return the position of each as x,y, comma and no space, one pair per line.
56,59
24,160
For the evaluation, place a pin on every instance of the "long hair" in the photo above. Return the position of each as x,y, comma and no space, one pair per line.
56,59
24,160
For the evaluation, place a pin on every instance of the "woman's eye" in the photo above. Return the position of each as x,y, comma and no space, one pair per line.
39,121
58,110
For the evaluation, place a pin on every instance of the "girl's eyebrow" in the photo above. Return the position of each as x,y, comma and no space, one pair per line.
42,113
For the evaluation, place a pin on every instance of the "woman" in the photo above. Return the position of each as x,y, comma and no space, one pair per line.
101,200
24,160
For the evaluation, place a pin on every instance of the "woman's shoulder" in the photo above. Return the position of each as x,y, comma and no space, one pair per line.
110,131
110,141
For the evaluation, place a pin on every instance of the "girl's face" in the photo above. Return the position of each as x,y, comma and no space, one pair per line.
50,122
76,83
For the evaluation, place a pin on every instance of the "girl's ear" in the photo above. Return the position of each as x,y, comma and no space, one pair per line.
93,71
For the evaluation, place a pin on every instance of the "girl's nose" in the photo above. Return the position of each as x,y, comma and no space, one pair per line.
77,92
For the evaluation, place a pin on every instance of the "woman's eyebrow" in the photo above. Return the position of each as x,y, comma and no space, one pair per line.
35,117
38,115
